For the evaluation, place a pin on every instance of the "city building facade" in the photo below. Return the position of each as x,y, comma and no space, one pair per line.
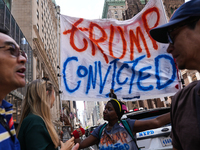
89,108
39,22
171,6
135,6
93,112
132,7
113,9
189,76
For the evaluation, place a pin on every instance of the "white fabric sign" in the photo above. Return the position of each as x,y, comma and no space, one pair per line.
103,54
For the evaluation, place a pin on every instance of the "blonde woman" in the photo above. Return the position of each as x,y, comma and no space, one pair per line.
36,130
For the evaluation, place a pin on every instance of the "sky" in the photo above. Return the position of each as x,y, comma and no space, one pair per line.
88,9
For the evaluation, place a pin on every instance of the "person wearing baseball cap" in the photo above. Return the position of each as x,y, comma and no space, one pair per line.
182,33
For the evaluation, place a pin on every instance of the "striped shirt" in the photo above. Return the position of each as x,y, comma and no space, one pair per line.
6,143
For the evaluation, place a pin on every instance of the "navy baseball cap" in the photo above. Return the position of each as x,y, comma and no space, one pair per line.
184,12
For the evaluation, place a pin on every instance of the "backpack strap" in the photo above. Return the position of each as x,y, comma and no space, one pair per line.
128,129
101,130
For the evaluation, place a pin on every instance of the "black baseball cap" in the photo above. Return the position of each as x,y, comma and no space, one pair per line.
184,12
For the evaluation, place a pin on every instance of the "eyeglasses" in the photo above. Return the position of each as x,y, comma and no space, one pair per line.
170,39
14,50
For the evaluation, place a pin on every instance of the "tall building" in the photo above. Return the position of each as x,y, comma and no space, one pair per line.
39,21
171,5
93,112
135,6
89,107
8,3
113,9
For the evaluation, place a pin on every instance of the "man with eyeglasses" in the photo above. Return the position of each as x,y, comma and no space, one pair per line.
12,66
183,35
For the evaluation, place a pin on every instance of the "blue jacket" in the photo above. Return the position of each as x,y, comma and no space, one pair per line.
6,143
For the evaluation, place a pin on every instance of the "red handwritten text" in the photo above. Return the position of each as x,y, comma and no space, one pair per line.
133,37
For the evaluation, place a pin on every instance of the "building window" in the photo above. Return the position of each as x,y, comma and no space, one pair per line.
8,4
172,10
42,40
114,6
116,16
37,27
115,12
42,4
37,14
38,2
42,28
42,16
133,102
143,1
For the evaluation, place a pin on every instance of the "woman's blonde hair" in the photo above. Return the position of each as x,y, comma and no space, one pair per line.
37,101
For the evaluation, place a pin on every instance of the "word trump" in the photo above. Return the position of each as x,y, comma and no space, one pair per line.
137,76
126,34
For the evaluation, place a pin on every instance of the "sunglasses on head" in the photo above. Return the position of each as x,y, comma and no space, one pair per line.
14,50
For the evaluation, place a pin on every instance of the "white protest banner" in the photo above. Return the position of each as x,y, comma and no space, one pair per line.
103,54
